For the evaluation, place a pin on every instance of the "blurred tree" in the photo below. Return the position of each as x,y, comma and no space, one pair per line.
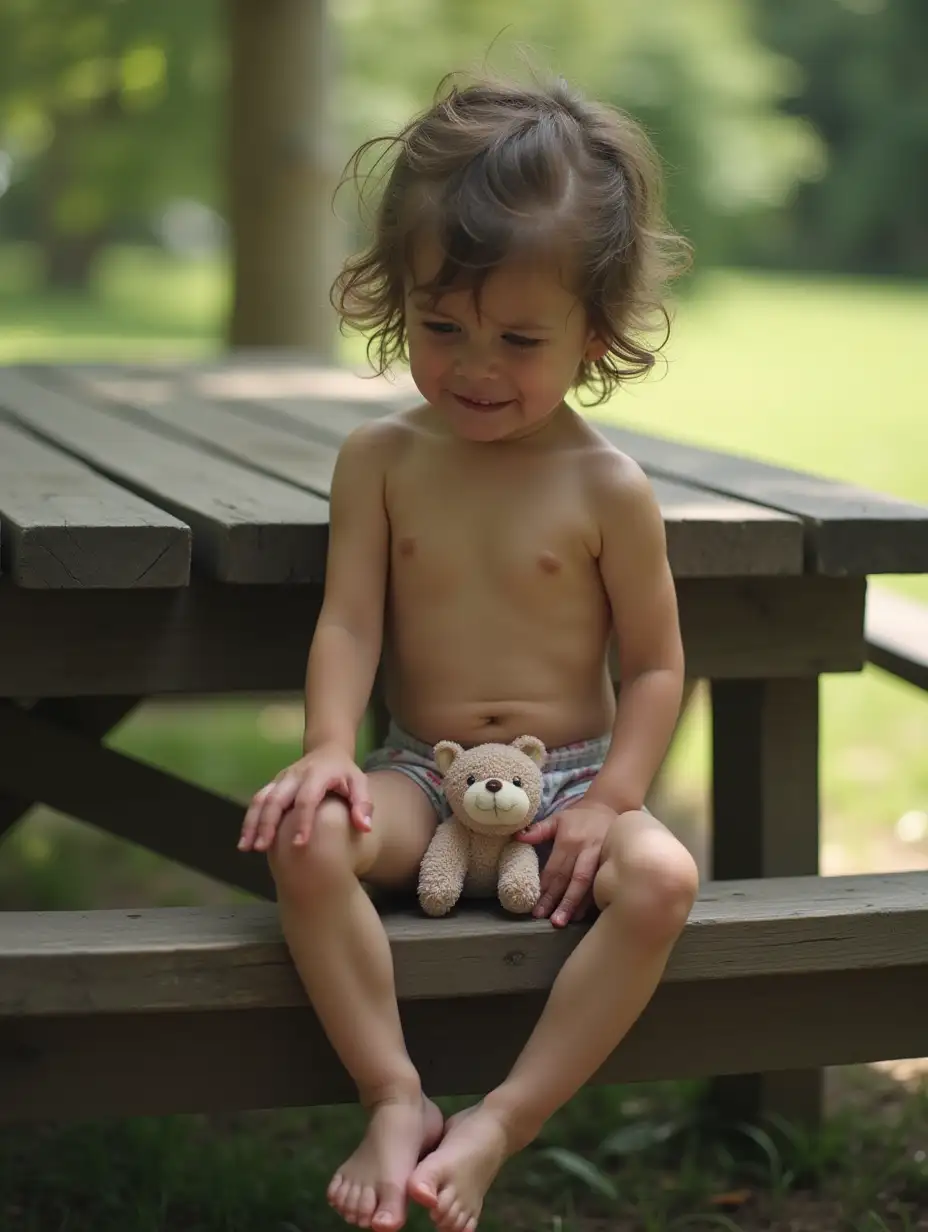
864,85
106,112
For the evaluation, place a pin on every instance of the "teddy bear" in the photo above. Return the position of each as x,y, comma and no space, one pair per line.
493,791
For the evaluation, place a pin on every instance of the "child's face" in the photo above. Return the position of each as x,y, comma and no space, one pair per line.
504,371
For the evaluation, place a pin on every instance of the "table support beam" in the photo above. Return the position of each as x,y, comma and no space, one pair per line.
765,766
91,717
75,775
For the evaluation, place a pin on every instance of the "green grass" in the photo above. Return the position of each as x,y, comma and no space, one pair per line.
143,305
627,1159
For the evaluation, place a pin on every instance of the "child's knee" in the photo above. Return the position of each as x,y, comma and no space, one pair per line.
649,885
321,863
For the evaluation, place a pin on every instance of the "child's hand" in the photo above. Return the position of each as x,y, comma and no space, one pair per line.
302,787
579,831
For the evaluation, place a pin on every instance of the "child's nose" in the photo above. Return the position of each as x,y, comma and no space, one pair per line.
494,785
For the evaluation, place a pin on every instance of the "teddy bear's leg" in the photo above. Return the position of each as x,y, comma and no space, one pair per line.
443,868
519,880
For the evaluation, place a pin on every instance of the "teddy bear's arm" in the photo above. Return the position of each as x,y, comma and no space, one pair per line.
443,868
519,881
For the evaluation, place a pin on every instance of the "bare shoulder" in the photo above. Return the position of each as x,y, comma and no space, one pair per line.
372,447
616,482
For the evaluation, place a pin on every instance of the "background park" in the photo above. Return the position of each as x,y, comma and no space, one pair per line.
795,133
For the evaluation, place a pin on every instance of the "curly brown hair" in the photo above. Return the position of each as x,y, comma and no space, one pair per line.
496,169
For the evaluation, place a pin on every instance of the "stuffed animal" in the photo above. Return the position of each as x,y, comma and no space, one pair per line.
493,791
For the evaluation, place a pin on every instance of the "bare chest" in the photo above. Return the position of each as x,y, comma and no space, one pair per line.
533,537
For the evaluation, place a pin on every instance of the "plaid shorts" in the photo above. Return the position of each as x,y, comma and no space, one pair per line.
567,774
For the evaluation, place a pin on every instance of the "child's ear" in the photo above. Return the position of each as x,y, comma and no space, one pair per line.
445,752
596,348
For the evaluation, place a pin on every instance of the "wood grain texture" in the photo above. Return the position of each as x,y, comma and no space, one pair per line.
204,638
765,823
211,638
85,1065
212,958
897,635
63,526
246,527
849,530
707,535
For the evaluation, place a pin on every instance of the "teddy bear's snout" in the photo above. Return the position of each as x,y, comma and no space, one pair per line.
493,785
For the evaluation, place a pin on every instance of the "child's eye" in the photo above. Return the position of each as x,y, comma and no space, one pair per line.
519,340
439,327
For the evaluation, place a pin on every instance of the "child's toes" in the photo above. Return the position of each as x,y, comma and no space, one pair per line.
391,1210
367,1204
351,1203
338,1192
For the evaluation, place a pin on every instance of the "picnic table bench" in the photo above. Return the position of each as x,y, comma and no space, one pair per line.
163,531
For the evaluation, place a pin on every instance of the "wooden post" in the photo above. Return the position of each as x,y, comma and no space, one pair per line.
765,736
282,173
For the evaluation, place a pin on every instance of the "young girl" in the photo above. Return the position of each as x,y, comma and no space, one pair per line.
488,544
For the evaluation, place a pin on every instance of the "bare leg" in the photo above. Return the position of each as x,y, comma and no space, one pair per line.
645,888
343,957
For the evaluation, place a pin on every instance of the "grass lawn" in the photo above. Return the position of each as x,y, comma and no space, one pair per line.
816,374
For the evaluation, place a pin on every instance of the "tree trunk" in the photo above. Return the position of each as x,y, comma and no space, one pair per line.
281,176
68,260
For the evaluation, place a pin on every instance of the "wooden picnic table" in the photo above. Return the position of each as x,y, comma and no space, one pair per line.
163,531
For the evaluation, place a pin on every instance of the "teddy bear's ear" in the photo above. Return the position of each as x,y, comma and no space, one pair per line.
532,747
445,752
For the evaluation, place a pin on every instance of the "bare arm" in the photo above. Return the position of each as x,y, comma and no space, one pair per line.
345,650
346,646
639,584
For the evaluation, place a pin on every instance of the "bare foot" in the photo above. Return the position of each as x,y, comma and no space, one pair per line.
452,1182
369,1189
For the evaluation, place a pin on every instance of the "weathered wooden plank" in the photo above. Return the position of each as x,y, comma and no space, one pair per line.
241,374
97,1065
202,639
712,536
849,530
76,776
222,429
65,526
91,717
765,791
247,527
897,635
212,958
707,535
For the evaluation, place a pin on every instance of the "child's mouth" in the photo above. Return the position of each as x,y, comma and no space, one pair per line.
482,404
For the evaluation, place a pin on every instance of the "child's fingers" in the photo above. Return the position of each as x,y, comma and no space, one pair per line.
580,885
252,817
306,804
361,806
539,831
555,878
276,802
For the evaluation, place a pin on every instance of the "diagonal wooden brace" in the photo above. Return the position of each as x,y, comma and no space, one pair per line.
70,771
93,717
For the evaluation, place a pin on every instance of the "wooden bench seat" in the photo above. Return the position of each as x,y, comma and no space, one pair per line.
188,1009
897,635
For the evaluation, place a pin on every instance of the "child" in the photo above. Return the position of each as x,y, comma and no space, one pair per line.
490,542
